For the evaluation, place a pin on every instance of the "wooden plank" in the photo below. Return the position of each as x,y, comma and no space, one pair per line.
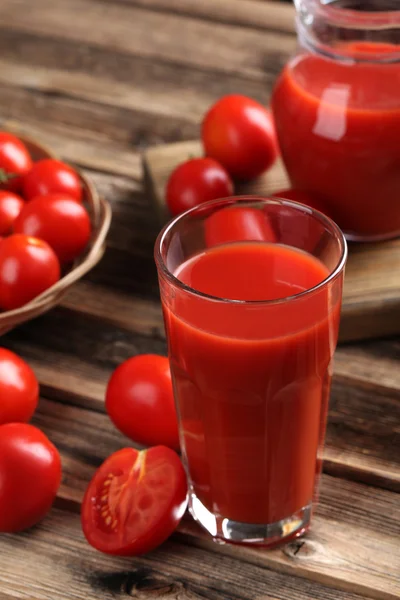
101,121
79,147
371,299
173,571
355,531
246,13
113,77
230,49
363,428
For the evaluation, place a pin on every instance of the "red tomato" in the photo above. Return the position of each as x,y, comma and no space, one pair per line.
140,401
10,207
30,475
19,389
240,134
196,181
134,501
58,220
50,176
234,224
28,267
14,161
303,198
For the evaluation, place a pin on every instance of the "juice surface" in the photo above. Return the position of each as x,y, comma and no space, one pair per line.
252,382
338,124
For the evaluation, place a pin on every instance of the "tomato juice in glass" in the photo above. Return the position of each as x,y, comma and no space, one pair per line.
252,326
337,112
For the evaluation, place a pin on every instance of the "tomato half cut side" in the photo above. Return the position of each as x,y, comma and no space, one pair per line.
134,501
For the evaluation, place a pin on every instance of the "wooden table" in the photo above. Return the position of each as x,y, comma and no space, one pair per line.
99,81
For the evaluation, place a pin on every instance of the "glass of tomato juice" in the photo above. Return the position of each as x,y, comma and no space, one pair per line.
251,292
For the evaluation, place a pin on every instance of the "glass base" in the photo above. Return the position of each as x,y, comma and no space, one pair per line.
268,534
355,237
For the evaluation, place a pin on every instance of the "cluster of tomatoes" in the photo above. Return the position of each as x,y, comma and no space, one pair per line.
43,223
239,141
136,498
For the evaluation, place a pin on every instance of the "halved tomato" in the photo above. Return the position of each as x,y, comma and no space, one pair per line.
134,501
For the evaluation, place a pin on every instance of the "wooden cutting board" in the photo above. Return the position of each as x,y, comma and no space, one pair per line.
371,301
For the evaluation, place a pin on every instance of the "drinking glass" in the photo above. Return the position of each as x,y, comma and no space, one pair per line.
251,378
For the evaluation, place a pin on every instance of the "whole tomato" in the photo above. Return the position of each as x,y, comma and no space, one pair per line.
238,224
10,207
140,402
30,475
196,181
19,389
239,133
58,220
50,176
28,267
134,501
15,161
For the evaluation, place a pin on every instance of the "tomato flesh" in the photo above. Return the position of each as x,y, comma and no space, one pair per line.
134,501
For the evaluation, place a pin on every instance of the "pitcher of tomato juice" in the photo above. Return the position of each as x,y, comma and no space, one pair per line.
337,112
251,291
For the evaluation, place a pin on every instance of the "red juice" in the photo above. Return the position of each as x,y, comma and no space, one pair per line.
251,381
338,124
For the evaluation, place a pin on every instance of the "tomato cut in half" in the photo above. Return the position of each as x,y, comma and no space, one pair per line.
134,501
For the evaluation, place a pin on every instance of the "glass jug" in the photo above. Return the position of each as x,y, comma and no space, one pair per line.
337,112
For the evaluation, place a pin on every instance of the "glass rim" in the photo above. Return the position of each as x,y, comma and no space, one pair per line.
232,200
350,17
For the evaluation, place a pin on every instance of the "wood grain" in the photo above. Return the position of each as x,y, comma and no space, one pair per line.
114,78
229,49
371,298
247,13
363,429
355,526
173,572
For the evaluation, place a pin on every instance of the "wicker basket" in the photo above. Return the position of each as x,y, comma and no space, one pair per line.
100,215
